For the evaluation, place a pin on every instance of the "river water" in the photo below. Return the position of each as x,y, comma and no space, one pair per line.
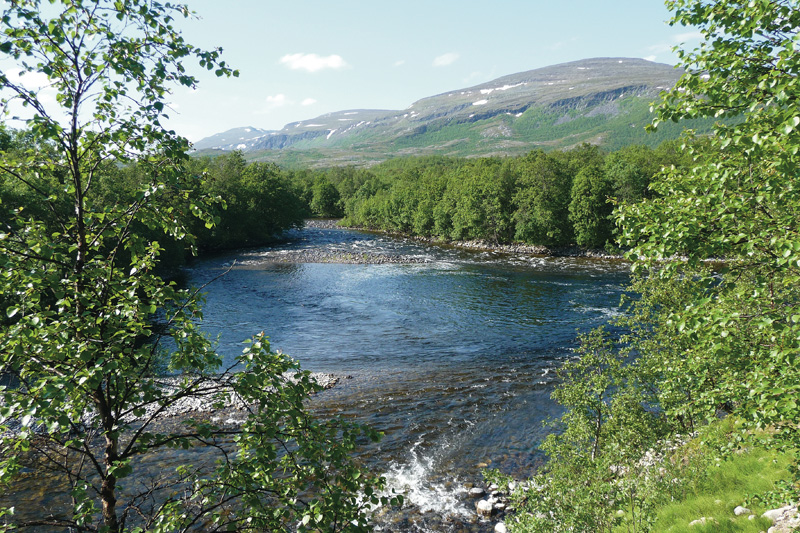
451,356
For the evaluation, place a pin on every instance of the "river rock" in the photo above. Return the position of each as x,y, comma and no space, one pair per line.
191,405
476,492
784,520
500,527
702,521
775,514
324,223
484,507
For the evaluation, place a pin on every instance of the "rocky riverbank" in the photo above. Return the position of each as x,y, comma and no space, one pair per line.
347,258
479,245
205,403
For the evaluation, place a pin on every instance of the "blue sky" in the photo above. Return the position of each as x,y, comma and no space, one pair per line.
302,58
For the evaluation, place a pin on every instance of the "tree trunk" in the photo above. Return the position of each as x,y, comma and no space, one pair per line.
108,488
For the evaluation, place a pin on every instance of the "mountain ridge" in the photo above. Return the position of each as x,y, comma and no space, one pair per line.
597,100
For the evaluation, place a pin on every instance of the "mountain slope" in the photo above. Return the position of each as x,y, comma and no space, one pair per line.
235,139
604,101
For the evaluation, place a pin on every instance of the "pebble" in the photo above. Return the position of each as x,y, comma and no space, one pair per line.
784,519
702,521
323,256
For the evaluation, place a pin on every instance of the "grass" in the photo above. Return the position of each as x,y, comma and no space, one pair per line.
719,485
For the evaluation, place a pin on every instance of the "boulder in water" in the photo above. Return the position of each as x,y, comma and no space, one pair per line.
485,508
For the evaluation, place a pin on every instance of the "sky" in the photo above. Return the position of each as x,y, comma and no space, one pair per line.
300,59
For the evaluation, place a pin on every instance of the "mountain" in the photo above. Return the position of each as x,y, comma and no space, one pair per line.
603,101
235,139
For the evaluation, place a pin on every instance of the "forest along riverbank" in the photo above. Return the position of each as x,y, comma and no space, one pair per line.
451,351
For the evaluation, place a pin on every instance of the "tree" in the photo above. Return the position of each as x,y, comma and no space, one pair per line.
89,329
590,207
630,170
482,190
325,198
542,200
598,441
260,202
741,327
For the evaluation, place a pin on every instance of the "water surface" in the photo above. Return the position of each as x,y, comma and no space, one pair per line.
452,357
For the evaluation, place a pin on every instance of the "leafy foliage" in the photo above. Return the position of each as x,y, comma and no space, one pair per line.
590,207
715,327
741,206
89,327
525,199
260,201
596,444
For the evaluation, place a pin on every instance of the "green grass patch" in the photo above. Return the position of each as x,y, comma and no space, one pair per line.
721,485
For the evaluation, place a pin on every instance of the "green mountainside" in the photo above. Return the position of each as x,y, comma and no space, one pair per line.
604,101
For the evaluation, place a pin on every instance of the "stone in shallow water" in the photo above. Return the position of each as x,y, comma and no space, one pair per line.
484,507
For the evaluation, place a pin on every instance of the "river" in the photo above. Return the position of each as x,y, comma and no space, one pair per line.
451,355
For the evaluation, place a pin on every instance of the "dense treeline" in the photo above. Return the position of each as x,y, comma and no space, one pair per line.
553,198
250,203
260,201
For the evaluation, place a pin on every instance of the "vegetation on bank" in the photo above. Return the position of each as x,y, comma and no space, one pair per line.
89,212
95,192
246,204
554,198
711,349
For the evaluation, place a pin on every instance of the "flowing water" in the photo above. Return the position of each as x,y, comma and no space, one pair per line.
451,356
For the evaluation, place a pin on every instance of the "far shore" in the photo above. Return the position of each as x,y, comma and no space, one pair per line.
478,245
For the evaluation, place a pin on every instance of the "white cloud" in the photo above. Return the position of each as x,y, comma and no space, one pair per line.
679,39
473,76
273,102
38,83
277,101
688,36
445,59
400,63
308,101
313,62
660,48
